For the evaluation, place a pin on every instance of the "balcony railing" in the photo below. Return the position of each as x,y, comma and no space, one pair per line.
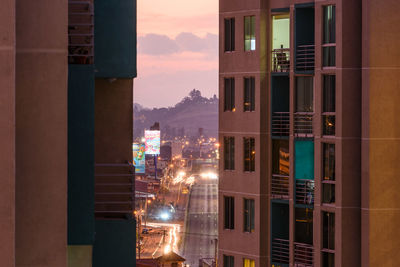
280,186
114,190
281,60
303,124
280,251
280,125
303,255
305,191
80,32
305,57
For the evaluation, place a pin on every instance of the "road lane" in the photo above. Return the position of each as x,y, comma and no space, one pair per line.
202,224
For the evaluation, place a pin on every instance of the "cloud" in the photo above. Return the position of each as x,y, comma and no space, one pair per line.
156,44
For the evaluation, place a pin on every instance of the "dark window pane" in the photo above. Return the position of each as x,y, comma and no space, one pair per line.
328,161
229,153
329,56
328,229
228,261
249,94
328,193
230,34
248,215
229,94
229,212
304,225
329,92
328,124
304,94
329,24
328,259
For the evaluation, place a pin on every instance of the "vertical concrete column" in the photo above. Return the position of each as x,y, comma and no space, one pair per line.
41,133
7,133
380,133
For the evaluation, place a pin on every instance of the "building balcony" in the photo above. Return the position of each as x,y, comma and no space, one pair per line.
281,60
303,124
114,190
305,58
80,32
280,251
303,255
280,186
280,124
304,191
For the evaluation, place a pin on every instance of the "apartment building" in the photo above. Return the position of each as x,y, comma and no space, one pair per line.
308,134
67,190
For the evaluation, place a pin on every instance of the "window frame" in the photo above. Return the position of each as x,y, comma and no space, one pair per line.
229,102
229,213
252,34
229,43
249,154
231,260
326,45
248,215
249,94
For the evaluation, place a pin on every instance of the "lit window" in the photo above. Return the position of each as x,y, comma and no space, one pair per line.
248,263
249,33
249,154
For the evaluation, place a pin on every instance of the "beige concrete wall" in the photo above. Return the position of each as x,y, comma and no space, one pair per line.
381,133
41,133
80,256
7,133
113,120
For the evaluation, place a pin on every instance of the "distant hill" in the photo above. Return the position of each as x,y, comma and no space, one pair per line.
186,117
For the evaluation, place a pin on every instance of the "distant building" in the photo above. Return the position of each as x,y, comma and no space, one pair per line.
309,133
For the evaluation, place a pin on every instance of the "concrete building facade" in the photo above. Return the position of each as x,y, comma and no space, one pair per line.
307,97
67,190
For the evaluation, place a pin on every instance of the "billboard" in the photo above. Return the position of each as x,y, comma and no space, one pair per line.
152,141
139,158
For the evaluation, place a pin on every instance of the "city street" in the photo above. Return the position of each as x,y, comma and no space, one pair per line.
202,225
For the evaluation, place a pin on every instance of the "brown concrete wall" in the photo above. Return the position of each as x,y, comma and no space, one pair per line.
41,133
381,133
7,133
113,120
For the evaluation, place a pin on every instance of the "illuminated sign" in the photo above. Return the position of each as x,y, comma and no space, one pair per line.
152,141
139,158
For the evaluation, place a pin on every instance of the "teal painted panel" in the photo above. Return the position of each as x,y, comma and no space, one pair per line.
115,243
115,38
304,159
80,155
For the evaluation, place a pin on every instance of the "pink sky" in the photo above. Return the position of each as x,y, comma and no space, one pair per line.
177,50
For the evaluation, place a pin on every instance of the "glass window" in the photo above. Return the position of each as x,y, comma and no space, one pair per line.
249,94
229,212
328,193
304,225
248,263
249,154
230,34
329,53
248,215
250,33
280,157
229,153
328,229
229,97
329,24
229,261
328,161
304,94
329,93
328,259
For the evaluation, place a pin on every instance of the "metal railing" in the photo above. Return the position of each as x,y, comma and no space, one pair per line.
280,123
80,32
304,191
305,57
280,186
303,124
280,251
281,60
303,255
114,190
